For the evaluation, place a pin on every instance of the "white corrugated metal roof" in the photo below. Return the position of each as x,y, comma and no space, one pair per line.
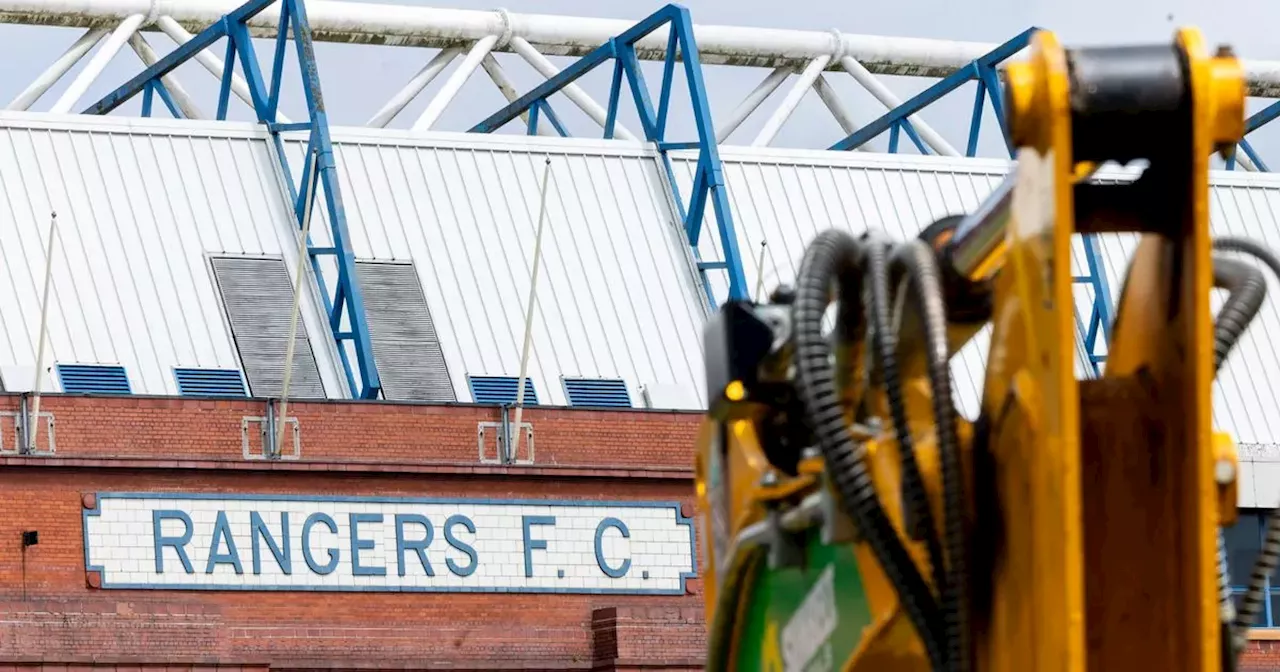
785,197
142,204
614,292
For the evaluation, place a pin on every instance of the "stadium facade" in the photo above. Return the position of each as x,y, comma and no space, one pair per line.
174,495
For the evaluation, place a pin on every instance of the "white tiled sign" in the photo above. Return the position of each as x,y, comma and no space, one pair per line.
279,542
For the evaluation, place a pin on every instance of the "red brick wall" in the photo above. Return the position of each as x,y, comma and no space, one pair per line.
53,618
141,427
1261,656
53,621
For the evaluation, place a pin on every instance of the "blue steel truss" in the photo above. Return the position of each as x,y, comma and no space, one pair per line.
982,69
708,181
345,307
1253,123
1095,329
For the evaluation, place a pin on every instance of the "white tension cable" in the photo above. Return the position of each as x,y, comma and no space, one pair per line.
403,25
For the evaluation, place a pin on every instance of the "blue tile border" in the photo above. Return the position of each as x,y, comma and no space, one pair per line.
681,519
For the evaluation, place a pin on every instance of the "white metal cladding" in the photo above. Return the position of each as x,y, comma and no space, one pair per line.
141,204
144,202
785,197
615,292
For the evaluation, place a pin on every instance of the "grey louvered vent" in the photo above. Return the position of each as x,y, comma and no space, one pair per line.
258,296
405,345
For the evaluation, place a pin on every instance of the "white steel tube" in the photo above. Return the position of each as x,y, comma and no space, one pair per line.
99,61
41,337
829,98
57,69
179,95
420,81
454,84
299,271
216,66
837,108
528,316
1244,161
573,92
499,77
752,102
888,99
423,26
780,115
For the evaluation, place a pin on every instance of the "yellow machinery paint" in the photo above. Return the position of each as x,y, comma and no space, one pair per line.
1092,505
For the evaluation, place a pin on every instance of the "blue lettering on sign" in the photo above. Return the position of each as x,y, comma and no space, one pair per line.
459,519
553,539
177,543
621,527
419,546
306,544
530,545
282,551
358,544
222,535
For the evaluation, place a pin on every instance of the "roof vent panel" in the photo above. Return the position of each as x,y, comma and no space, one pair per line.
500,390
93,379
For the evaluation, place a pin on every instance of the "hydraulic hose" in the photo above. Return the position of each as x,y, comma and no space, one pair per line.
1247,289
1269,555
835,254
917,514
915,262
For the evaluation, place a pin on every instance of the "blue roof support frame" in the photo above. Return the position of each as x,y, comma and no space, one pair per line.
708,181
1095,330
983,69
345,305
1253,123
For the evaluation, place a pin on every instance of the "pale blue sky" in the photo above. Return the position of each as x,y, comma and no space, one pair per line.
358,79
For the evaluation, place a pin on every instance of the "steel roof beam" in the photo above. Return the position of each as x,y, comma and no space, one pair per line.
708,189
419,26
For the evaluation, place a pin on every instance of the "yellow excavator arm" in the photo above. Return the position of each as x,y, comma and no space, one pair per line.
856,522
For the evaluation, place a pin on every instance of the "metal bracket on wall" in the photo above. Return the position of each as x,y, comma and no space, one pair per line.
266,429
18,444
496,451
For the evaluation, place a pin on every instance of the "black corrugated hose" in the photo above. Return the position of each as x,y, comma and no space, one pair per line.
833,255
1247,289
915,262
1269,554
916,511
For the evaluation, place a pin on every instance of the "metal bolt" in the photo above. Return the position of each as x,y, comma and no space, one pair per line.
1224,472
769,479
810,453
